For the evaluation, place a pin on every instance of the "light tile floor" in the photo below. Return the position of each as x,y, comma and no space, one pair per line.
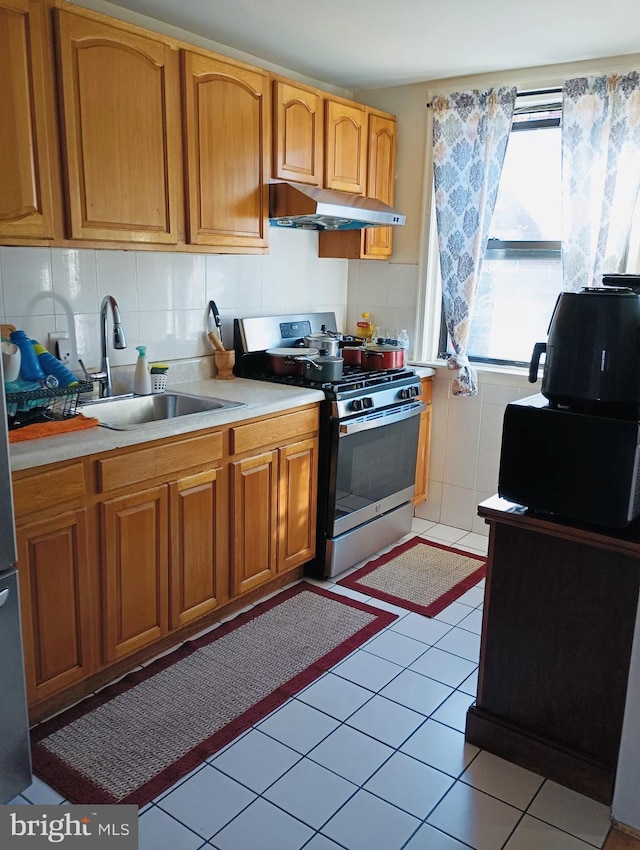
372,756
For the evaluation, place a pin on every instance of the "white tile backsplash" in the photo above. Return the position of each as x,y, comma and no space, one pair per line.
463,422
163,295
465,448
460,461
154,281
189,286
118,275
27,282
458,506
75,281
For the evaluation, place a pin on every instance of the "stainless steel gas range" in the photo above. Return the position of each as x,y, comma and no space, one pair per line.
369,425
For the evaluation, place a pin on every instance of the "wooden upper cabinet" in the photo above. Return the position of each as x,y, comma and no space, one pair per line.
120,100
370,243
226,130
25,190
381,161
297,133
345,146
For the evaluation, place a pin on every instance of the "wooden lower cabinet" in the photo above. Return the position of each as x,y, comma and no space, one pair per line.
134,534
148,541
297,503
254,515
198,546
57,592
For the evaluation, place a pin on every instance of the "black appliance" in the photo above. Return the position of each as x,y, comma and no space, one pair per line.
571,464
369,422
573,451
592,361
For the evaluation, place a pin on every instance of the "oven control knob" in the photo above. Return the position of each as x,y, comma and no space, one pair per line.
415,392
356,404
367,403
404,393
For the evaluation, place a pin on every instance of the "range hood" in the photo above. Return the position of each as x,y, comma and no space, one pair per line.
296,205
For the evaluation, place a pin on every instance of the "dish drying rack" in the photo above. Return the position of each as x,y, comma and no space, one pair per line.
25,407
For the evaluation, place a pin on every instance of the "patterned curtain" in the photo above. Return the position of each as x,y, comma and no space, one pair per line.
600,175
470,134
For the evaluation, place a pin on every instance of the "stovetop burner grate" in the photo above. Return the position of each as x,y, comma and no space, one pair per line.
353,378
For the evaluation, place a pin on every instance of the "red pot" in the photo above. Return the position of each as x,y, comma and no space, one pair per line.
282,361
352,355
382,357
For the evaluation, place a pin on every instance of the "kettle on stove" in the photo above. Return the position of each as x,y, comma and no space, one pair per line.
592,360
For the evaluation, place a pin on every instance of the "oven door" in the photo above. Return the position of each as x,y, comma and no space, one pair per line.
374,465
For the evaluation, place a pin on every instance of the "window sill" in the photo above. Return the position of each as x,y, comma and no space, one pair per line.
487,373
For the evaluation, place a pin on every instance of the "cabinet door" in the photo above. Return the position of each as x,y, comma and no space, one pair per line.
198,546
370,243
297,134
226,137
121,100
25,190
424,443
254,533
56,594
134,539
345,147
297,505
381,159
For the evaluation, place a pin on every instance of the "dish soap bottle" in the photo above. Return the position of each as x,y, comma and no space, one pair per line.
364,327
142,378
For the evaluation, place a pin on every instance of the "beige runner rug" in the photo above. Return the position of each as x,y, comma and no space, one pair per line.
137,737
419,575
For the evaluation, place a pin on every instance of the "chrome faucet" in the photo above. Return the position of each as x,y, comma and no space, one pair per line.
119,342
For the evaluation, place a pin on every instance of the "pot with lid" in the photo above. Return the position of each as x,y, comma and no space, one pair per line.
327,343
382,356
282,361
593,349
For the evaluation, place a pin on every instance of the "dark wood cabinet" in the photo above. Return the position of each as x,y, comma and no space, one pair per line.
559,614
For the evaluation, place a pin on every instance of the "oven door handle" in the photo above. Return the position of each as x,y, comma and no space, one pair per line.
379,420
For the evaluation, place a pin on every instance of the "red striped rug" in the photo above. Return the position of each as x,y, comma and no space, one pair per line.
137,737
419,575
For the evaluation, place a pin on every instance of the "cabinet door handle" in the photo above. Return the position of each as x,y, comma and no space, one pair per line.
4,595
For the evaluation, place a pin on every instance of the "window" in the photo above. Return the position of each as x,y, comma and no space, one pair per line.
522,270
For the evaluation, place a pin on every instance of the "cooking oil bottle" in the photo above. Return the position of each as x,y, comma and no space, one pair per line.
365,327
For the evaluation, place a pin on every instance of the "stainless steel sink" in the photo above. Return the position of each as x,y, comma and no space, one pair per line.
124,413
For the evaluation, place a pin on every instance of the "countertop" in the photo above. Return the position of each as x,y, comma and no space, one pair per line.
261,398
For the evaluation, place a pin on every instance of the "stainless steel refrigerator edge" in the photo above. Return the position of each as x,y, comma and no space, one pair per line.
15,754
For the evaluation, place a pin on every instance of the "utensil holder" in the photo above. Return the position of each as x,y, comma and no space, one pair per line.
225,361
158,383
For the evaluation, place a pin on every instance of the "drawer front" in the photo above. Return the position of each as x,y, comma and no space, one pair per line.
427,389
275,429
35,492
166,460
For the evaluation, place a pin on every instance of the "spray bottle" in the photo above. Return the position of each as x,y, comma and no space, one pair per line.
142,378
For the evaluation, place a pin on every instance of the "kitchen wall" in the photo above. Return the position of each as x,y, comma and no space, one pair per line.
163,296
465,447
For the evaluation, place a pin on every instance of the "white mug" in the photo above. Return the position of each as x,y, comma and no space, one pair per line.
10,362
